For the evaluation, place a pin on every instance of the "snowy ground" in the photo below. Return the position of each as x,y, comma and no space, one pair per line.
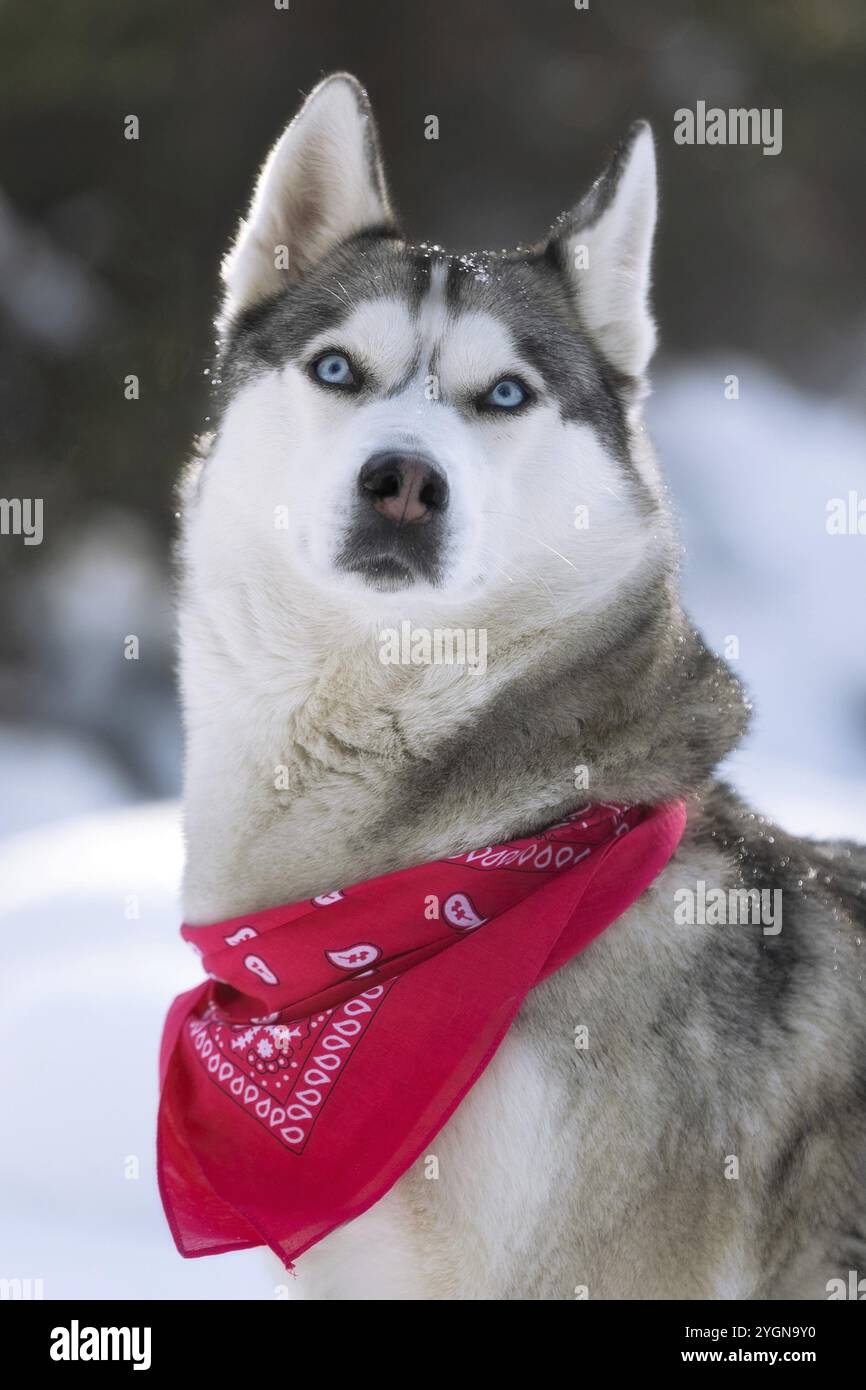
88,883
85,987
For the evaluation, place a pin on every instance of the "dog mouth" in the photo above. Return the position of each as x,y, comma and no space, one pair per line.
391,563
382,572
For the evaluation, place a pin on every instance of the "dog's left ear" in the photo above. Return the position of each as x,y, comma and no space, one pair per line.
321,183
604,248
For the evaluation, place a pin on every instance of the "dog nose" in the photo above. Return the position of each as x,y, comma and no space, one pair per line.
407,489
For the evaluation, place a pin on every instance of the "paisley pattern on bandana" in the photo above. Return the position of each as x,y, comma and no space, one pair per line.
282,1074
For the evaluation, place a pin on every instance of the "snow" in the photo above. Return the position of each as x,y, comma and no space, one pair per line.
90,956
86,985
751,479
52,771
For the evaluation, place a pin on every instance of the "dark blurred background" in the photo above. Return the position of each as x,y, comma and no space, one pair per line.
109,253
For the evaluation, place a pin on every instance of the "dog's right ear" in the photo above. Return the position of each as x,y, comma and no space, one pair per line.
321,182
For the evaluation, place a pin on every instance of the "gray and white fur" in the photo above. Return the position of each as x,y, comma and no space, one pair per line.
321,512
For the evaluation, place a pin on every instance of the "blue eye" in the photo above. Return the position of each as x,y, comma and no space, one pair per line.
506,395
334,370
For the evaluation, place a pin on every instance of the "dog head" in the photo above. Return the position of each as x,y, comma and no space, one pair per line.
401,424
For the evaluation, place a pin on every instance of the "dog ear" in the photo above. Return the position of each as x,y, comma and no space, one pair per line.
321,182
604,247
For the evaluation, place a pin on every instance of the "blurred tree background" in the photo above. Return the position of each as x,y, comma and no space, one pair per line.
109,248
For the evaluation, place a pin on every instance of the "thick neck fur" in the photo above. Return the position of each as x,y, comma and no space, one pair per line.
311,764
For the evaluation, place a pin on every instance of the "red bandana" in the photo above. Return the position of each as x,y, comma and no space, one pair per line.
408,981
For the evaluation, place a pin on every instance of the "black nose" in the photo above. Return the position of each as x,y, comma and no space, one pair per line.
407,489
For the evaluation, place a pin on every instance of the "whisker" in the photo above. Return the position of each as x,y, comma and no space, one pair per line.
537,539
339,298
502,570
538,584
349,300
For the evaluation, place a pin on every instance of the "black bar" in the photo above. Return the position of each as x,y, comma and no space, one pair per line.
250,1338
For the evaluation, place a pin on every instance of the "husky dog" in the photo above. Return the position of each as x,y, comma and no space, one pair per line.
456,441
